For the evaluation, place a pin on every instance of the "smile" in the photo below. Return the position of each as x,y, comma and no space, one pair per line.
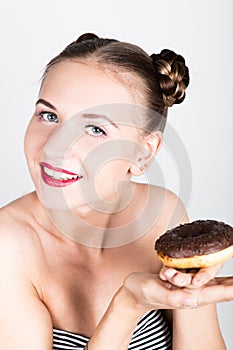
57,177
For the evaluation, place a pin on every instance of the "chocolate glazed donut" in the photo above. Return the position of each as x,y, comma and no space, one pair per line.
197,244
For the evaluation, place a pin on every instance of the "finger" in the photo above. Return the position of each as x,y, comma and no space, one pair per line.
176,277
165,295
205,274
212,294
166,273
224,280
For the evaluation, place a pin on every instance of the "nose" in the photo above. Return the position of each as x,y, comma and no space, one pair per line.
63,142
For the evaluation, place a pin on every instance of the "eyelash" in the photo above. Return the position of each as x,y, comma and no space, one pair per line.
43,113
104,133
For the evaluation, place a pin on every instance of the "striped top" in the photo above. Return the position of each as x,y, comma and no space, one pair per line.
151,333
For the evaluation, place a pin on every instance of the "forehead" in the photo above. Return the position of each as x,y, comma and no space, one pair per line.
73,86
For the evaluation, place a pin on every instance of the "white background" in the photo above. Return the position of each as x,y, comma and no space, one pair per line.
33,32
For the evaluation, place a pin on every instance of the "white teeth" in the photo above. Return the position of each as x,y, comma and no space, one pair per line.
67,176
48,171
63,176
59,175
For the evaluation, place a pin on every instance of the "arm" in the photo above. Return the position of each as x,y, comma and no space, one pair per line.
140,293
25,322
119,321
216,290
194,320
197,329
194,328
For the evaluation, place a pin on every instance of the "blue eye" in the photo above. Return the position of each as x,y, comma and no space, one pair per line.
95,131
49,117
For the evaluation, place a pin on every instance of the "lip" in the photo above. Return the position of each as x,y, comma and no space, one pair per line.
57,182
49,166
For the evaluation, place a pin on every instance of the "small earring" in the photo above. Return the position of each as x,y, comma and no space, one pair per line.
143,167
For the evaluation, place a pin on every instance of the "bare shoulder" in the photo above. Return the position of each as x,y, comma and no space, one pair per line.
164,210
19,243
164,204
174,212
20,268
15,220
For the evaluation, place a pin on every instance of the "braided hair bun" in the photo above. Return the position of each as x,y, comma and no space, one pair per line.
173,76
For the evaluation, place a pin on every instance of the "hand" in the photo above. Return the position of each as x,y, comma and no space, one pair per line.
150,292
192,279
217,290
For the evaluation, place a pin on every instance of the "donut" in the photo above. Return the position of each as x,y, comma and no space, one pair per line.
197,244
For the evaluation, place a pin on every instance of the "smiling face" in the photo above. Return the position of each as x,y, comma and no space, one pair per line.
88,148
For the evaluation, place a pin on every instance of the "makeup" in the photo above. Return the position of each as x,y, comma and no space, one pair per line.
57,177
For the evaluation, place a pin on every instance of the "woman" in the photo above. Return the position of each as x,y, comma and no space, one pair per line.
67,277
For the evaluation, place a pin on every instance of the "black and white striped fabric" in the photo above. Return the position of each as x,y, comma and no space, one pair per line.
151,333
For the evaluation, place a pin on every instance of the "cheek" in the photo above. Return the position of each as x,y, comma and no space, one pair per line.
99,186
79,156
105,170
113,170
35,140
29,142
110,177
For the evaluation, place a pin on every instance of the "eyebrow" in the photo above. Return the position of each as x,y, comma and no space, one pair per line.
46,103
99,116
85,115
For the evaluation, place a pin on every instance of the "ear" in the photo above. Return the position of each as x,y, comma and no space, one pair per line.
150,146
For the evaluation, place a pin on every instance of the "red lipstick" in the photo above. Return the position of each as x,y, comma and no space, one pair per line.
57,177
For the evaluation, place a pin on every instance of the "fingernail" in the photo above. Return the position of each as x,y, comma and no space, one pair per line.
169,273
182,282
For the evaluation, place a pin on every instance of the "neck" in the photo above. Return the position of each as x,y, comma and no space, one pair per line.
92,227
